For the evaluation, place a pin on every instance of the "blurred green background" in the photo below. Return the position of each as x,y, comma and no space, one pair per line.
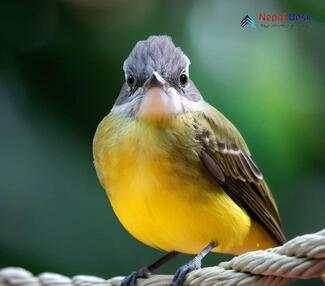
60,72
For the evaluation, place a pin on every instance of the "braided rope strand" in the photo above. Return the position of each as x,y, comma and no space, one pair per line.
300,258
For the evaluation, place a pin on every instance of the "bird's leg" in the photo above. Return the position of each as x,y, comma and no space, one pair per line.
144,272
162,261
194,264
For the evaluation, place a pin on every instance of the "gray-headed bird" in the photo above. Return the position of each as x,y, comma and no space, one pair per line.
178,174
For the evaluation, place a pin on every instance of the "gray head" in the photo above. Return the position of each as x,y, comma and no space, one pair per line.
157,81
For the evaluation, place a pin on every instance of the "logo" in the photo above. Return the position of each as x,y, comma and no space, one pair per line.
284,17
248,22
278,20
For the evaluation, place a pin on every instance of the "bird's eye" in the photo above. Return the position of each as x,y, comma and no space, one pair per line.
130,80
183,79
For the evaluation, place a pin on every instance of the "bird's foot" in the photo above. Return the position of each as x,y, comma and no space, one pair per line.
180,274
131,280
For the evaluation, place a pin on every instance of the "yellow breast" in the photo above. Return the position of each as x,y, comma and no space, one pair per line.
162,195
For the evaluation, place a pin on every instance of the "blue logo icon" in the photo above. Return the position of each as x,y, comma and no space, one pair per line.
248,21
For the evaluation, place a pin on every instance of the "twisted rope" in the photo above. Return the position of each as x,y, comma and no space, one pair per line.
300,258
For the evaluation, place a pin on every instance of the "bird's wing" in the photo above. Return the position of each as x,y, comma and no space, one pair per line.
226,156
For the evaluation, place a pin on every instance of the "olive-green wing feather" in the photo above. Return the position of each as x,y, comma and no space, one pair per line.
226,156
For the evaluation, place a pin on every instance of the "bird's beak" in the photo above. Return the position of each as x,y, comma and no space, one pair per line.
155,80
159,100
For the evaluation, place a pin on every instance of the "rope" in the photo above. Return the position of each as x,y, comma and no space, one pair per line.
300,258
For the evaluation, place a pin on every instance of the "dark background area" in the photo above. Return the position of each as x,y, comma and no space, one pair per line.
60,72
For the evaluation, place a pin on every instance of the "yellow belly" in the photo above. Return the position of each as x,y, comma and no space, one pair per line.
170,208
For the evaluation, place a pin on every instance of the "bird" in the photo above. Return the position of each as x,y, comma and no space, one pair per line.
178,174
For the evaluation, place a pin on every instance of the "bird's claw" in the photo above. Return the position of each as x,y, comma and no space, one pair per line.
180,274
131,279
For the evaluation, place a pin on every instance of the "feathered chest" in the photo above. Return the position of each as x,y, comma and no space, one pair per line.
143,153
